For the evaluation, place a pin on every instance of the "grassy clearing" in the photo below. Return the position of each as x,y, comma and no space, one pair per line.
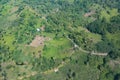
114,38
57,48
50,35
9,40
108,13
95,37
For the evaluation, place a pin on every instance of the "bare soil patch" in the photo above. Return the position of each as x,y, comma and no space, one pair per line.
14,9
38,41
5,64
89,14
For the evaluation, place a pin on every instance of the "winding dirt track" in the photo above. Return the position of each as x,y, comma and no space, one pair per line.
85,51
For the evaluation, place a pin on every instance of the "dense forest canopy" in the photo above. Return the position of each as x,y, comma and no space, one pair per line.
59,40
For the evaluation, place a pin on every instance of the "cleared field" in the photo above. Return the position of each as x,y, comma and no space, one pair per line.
57,48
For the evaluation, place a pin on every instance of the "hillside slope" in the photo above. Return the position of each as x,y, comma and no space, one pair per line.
59,40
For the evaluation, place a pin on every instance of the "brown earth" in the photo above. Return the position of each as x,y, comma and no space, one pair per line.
38,41
14,9
89,14
42,28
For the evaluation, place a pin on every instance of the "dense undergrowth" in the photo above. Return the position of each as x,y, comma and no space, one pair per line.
70,30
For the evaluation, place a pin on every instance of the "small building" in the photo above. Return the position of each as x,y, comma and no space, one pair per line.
38,29
56,69
75,45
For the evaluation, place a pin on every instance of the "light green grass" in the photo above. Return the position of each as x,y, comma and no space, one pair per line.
6,10
114,38
95,37
50,35
57,48
71,1
112,12
9,39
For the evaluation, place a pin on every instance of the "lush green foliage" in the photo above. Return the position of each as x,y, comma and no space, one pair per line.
55,39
